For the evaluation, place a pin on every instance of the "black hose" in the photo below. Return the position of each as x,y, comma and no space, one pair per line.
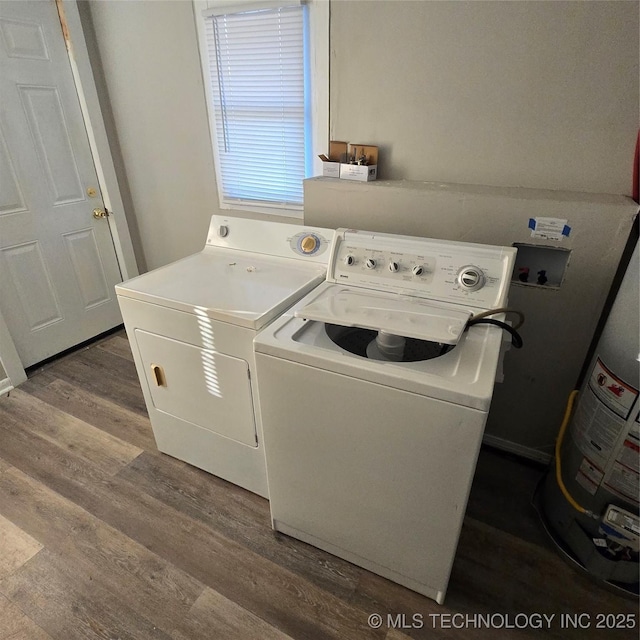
516,338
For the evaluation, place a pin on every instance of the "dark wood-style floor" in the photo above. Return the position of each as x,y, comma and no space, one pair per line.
103,537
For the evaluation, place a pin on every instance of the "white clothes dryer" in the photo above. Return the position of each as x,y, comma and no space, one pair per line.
191,327
374,392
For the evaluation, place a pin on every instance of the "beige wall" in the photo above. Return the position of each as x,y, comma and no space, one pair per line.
527,409
149,57
538,94
532,94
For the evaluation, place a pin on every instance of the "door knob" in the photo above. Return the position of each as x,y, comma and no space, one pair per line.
100,213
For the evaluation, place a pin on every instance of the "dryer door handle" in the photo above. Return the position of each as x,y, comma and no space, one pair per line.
158,375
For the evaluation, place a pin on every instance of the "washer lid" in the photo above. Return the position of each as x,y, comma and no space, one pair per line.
237,287
408,317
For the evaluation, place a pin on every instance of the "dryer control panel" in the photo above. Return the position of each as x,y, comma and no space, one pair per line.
471,274
278,239
308,243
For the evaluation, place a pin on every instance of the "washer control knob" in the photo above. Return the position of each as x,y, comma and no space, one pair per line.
417,270
471,278
309,244
370,263
223,231
349,260
394,266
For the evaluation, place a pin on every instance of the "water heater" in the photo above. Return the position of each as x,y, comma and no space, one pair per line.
589,498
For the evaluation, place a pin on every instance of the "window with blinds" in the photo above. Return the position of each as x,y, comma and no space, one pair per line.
256,63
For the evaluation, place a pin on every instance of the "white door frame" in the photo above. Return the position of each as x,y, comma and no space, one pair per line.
97,133
78,53
13,372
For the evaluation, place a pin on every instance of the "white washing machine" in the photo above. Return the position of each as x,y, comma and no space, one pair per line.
191,326
374,391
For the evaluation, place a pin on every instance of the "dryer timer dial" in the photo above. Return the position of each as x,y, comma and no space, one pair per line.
309,244
471,278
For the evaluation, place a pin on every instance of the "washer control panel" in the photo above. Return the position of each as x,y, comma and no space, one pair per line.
472,274
471,277
380,260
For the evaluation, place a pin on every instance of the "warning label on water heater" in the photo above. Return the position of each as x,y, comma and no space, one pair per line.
607,436
624,476
623,481
611,391
589,476
596,429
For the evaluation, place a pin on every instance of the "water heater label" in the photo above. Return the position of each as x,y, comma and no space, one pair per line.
624,477
624,482
589,476
611,391
596,429
629,455
606,430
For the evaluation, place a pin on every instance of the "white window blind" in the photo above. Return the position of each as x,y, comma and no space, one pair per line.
256,62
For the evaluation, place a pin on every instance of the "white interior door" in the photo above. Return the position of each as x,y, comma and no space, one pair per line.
58,266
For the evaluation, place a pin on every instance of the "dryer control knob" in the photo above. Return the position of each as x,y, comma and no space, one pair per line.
370,263
349,260
418,270
393,266
471,278
308,244
223,231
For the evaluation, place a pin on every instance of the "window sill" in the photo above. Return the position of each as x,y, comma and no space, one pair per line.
296,214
